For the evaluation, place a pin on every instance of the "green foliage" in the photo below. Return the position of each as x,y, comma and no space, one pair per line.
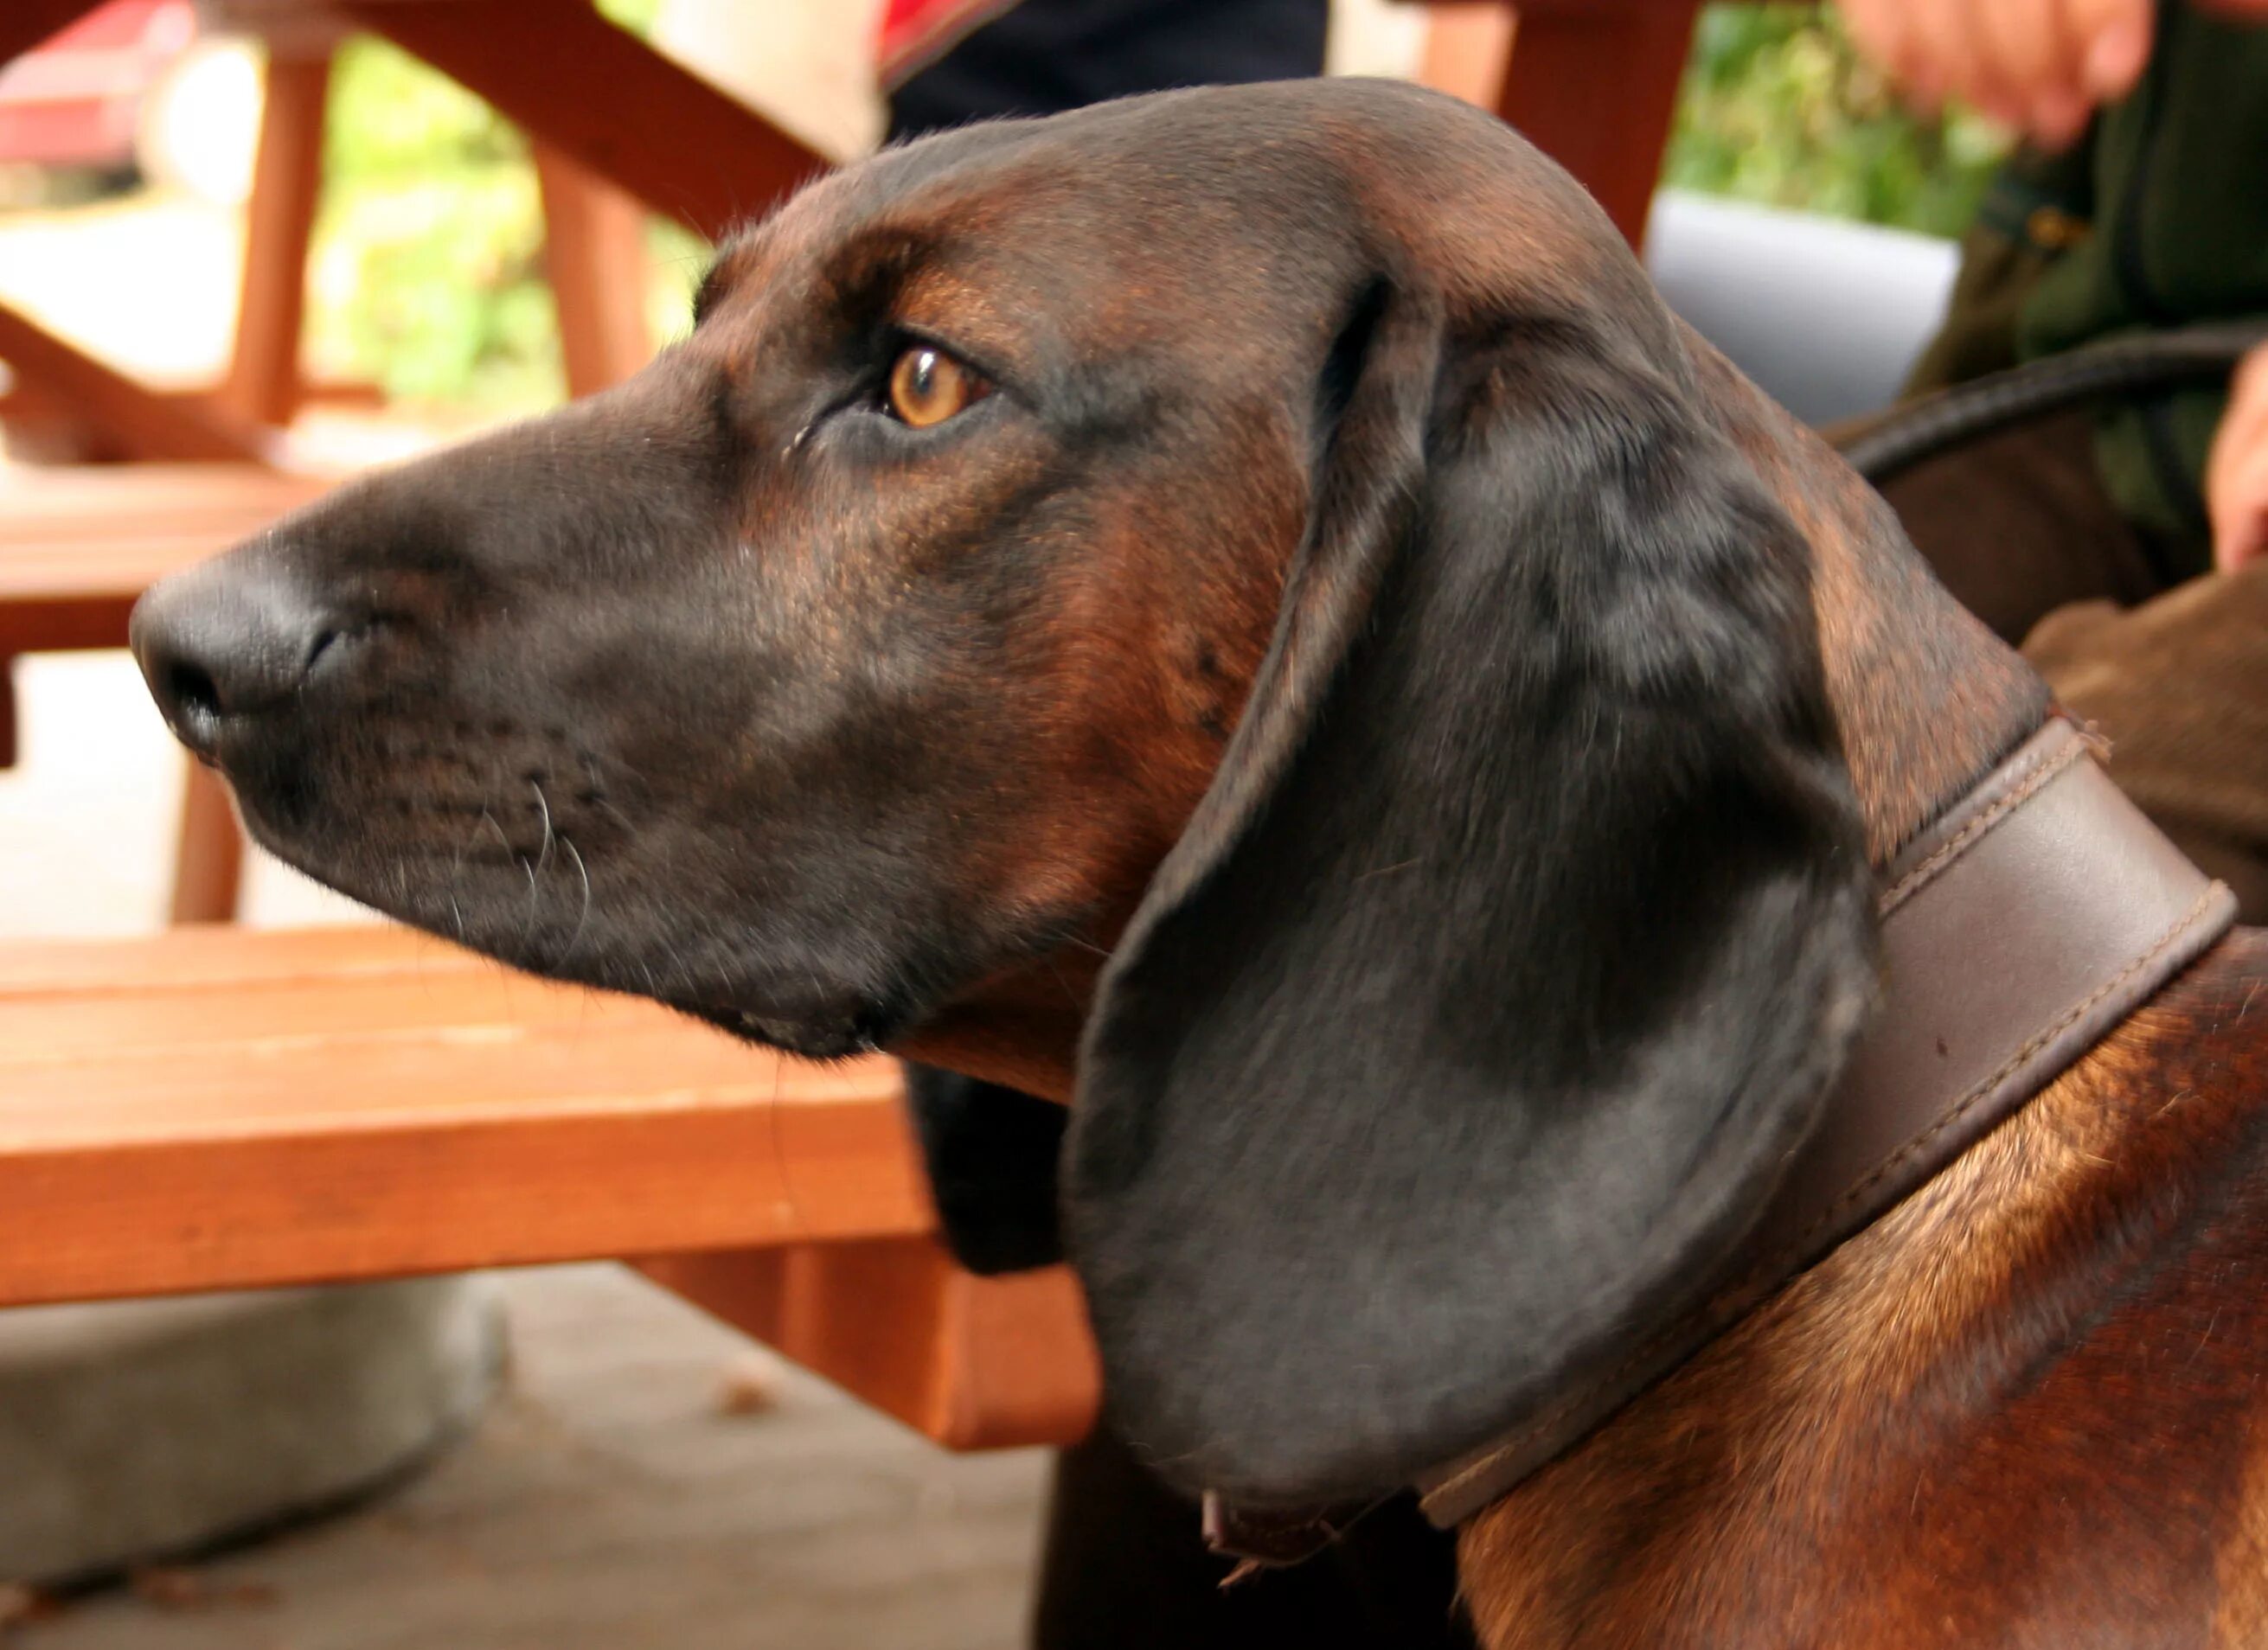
428,259
1778,108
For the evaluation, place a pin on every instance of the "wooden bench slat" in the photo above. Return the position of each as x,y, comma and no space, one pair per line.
328,1098
163,1217
218,1108
221,958
112,531
317,1084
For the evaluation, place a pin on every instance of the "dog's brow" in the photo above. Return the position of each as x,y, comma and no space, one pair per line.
714,280
869,265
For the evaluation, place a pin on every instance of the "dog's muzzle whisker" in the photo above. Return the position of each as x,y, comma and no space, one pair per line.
583,918
543,805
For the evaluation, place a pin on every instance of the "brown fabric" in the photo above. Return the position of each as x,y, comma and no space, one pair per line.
2017,525
2020,529
2035,914
2179,685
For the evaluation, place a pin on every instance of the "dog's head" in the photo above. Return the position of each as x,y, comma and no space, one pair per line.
1275,537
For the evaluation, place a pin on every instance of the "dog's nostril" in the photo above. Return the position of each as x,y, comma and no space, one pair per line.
192,689
317,648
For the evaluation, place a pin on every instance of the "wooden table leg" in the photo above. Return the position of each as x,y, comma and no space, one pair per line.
262,383
8,709
594,257
573,80
1466,47
976,1363
208,863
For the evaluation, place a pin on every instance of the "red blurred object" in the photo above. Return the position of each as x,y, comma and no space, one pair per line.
75,100
912,34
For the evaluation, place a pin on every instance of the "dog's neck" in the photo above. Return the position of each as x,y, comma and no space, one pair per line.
1928,699
2020,1408
1841,1419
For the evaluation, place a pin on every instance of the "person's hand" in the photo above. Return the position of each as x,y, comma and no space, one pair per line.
2040,66
2236,473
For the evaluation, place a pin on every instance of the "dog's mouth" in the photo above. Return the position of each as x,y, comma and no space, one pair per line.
521,845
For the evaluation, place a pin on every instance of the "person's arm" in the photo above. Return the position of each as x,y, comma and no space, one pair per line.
2236,473
2041,66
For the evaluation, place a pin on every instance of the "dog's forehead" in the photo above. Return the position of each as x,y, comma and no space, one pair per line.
1177,187
1245,211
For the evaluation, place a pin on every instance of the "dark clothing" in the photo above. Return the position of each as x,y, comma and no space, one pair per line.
2019,527
1045,57
2018,524
2180,216
2084,536
2157,219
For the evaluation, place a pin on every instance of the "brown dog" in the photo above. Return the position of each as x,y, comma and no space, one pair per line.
1276,541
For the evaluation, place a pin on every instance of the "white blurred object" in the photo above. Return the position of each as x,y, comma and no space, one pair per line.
200,123
808,65
1375,37
1827,316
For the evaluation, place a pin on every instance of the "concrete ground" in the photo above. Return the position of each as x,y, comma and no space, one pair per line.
622,1495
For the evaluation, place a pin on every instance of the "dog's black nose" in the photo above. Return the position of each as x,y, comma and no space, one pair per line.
221,643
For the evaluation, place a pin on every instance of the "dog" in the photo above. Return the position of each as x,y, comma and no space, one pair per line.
1240,610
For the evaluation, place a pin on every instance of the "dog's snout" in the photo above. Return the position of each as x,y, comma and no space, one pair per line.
220,644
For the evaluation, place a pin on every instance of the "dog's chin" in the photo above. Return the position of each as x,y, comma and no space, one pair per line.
838,1025
843,1036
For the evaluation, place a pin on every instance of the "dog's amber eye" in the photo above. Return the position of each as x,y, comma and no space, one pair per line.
928,387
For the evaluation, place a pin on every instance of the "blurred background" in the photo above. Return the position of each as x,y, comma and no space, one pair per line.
426,279
629,1472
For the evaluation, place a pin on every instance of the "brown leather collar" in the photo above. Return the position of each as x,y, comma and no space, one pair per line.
2036,913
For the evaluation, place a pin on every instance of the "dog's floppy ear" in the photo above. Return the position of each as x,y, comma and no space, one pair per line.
1510,954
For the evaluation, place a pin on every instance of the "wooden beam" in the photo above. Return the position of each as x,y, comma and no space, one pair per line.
144,425
24,24
606,100
975,1363
1595,86
79,544
594,258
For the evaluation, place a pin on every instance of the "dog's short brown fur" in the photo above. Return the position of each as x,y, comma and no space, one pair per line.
1394,726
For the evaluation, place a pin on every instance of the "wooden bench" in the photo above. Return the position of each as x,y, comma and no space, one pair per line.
215,1108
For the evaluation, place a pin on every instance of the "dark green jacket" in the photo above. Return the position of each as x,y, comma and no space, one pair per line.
2158,218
